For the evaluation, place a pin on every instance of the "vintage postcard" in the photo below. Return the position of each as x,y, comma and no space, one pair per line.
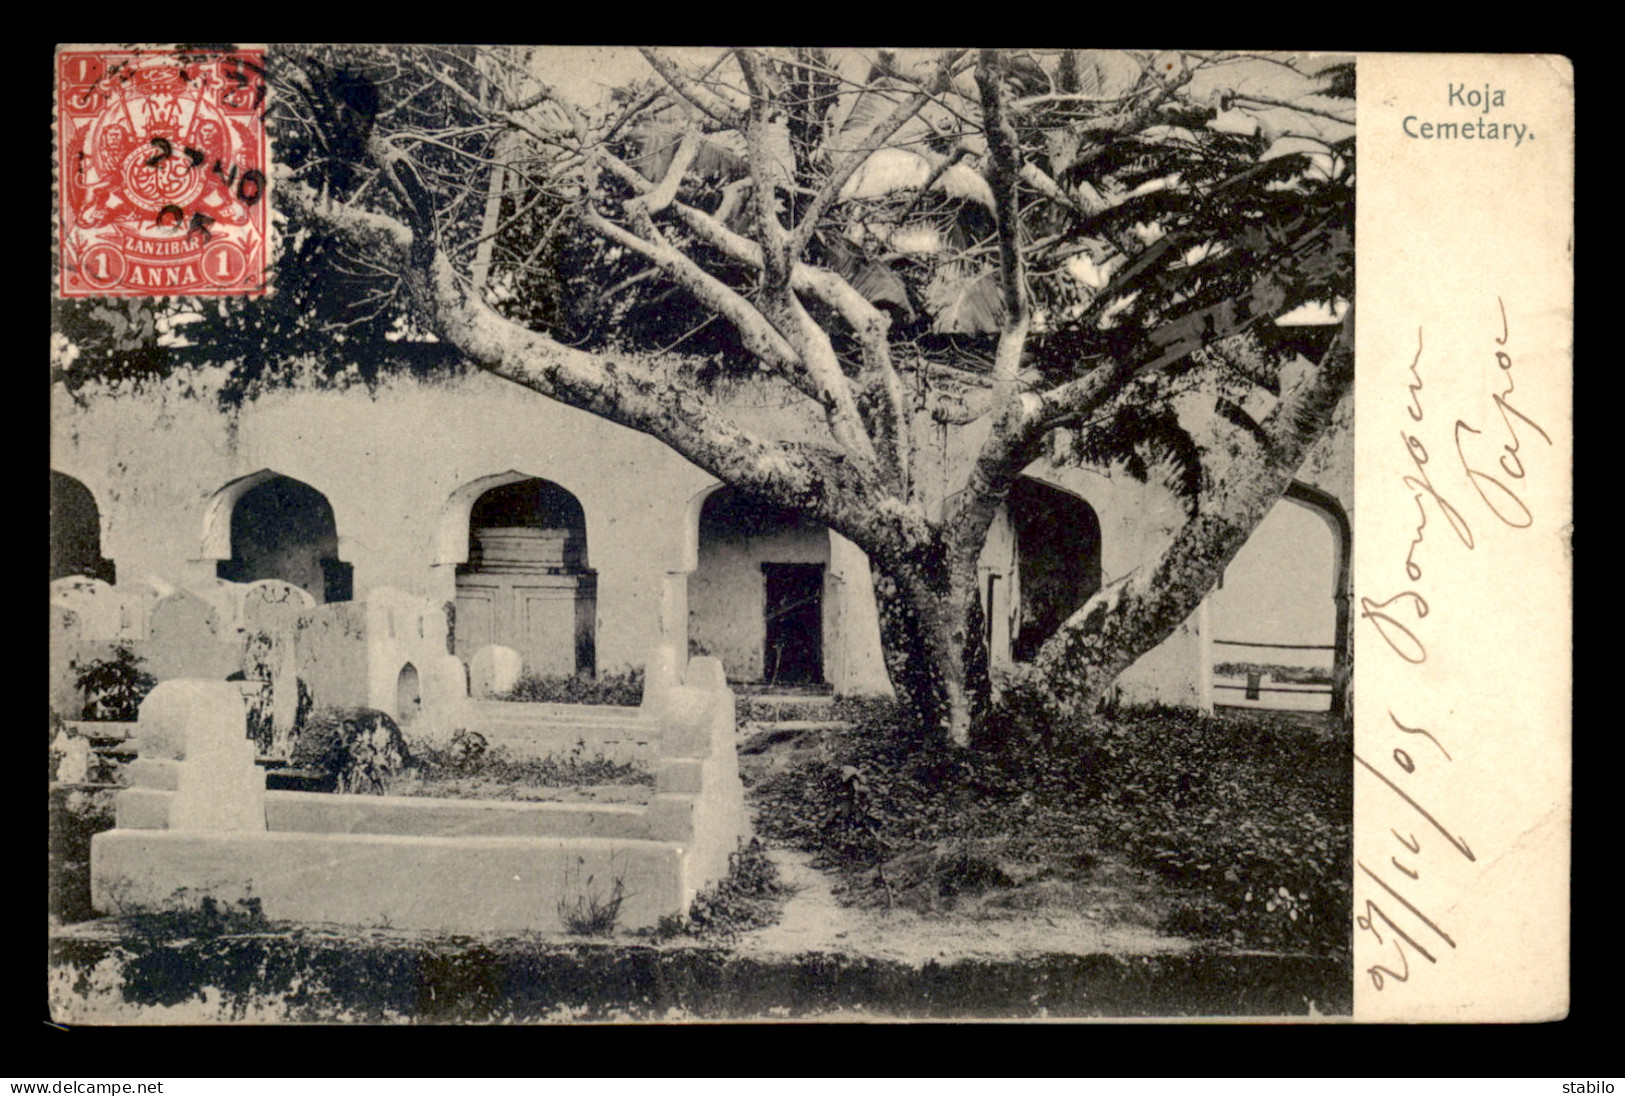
600,534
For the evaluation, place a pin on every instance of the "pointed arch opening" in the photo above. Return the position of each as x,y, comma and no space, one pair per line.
278,527
524,580
1057,542
408,695
1280,615
1040,564
76,531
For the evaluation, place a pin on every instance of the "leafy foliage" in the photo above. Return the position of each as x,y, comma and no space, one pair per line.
624,690
114,687
750,896
466,768
360,750
1226,811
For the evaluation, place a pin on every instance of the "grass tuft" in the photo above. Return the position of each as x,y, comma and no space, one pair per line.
592,915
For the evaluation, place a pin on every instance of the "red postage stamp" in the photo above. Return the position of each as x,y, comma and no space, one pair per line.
162,172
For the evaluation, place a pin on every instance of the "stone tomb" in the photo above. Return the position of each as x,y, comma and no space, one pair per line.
197,823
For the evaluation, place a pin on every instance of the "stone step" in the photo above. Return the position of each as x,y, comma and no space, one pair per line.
541,742
503,719
568,734
569,713
794,726
789,699
97,730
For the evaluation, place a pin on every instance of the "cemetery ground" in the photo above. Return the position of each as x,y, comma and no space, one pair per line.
1149,862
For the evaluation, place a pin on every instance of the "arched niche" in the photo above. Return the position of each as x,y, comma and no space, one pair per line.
452,539
267,525
76,531
408,694
522,573
757,596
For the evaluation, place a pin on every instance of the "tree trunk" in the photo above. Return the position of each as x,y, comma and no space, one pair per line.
1125,620
932,639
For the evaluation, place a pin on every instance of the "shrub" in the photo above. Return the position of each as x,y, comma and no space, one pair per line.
625,690
750,896
359,749
114,687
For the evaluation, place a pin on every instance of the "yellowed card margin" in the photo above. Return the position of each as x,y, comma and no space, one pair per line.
1462,567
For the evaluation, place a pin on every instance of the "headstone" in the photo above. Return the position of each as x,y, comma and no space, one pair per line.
187,640
227,599
494,670
73,758
64,622
64,646
136,603
706,673
271,609
201,725
96,603
444,680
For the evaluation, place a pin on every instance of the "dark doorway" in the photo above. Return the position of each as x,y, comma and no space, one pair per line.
794,609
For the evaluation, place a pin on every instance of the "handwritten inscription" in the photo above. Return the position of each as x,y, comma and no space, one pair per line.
1503,499
1411,847
1491,458
1495,479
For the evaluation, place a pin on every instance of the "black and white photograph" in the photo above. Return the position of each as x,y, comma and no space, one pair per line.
648,535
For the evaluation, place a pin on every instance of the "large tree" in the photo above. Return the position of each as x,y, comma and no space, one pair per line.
1066,254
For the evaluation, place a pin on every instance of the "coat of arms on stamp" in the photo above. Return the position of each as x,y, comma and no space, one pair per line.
162,172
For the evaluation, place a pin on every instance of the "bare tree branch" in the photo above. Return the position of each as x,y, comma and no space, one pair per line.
707,101
1004,152
634,390
908,108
